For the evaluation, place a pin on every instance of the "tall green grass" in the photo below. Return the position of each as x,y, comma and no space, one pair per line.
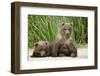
46,28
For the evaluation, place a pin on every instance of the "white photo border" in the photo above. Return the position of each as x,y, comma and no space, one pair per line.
25,64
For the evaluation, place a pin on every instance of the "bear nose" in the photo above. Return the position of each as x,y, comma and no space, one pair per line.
67,31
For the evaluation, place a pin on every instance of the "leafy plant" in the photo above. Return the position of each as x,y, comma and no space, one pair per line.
46,28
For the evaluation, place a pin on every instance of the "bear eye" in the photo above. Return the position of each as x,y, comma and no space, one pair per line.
46,43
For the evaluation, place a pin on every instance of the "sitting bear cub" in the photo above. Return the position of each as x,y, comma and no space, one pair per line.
41,49
64,46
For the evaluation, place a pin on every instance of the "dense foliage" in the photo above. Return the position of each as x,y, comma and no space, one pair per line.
46,28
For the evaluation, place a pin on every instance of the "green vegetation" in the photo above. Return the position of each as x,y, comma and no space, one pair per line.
46,28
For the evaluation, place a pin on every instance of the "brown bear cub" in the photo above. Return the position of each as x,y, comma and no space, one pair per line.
64,46
41,49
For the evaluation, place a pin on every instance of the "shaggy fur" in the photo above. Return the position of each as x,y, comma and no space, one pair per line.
64,46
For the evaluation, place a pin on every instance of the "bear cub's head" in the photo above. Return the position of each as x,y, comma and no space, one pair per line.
41,49
66,29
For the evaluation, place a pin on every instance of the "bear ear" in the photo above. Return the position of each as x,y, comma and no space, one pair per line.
63,23
71,23
35,44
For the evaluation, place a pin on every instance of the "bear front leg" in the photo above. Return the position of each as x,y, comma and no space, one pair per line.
54,50
73,50
74,54
54,53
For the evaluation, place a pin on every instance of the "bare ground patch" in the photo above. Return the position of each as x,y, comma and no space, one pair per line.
82,53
